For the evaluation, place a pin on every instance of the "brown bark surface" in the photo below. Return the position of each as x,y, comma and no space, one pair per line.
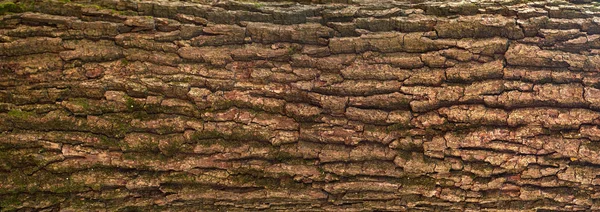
323,106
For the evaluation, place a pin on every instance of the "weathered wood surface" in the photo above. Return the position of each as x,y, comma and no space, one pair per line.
363,105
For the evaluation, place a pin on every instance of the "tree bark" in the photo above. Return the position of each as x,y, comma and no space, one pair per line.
321,106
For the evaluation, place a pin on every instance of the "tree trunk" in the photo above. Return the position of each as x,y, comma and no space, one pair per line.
320,106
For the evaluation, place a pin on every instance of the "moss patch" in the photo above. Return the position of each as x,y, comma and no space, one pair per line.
124,62
373,128
110,143
400,128
7,7
120,129
30,158
281,156
240,134
173,147
83,102
20,114
10,202
258,5
293,49
132,105
406,155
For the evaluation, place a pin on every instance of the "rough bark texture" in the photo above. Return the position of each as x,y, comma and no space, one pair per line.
343,106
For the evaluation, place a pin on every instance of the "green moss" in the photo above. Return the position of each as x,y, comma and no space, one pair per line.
446,126
405,154
407,148
148,146
166,129
124,62
142,115
211,135
305,119
483,167
258,5
9,160
481,180
152,108
120,128
172,148
321,170
198,136
10,202
371,128
249,171
266,182
283,156
56,123
292,50
83,102
220,105
242,178
128,156
289,183
127,12
69,186
14,202
96,187
97,7
430,133
27,159
544,80
398,127
20,114
33,183
64,1
113,11
130,103
7,7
